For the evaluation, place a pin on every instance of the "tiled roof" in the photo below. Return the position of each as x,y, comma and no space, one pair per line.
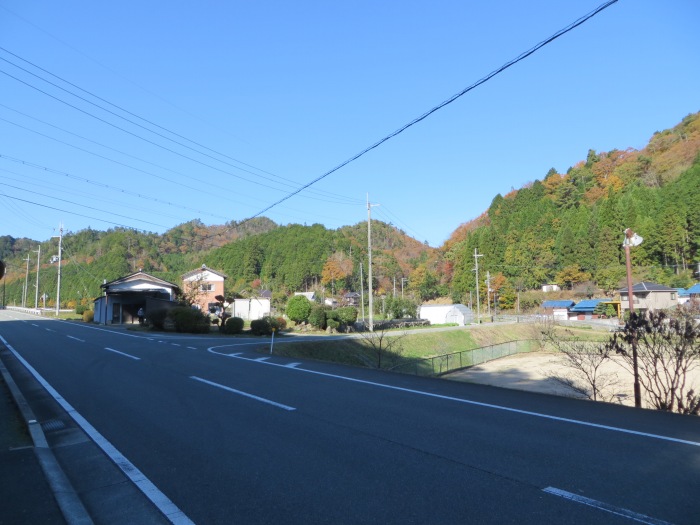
587,305
557,304
648,287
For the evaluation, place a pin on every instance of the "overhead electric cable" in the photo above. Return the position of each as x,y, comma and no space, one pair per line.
135,134
454,97
71,212
282,181
103,185
77,204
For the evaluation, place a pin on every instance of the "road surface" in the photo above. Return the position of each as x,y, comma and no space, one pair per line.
215,432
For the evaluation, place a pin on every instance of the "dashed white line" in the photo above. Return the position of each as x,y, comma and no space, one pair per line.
175,344
49,330
145,485
245,394
192,347
471,402
122,353
73,337
640,518
34,324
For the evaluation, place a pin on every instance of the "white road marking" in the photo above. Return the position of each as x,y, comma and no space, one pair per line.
175,344
34,324
262,359
292,365
122,353
49,330
73,337
192,347
245,394
138,478
640,518
466,401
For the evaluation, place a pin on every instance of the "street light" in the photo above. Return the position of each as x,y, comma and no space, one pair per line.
632,239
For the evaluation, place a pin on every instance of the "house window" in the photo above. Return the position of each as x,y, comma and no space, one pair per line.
673,296
206,287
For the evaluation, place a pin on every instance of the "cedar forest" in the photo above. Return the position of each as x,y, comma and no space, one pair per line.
566,229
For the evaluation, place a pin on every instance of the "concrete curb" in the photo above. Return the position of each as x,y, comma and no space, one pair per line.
68,501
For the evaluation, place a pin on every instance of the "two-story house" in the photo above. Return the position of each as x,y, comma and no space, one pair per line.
649,296
202,286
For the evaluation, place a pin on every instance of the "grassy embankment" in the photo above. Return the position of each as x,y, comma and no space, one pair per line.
416,345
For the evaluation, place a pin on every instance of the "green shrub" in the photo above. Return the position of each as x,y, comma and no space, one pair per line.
346,315
189,320
318,317
333,324
80,309
233,325
298,308
88,316
156,318
265,325
261,326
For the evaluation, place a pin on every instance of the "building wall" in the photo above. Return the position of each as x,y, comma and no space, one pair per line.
250,309
203,280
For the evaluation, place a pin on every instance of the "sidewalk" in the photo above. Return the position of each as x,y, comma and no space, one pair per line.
26,495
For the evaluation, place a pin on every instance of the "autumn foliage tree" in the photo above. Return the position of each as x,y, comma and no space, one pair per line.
338,266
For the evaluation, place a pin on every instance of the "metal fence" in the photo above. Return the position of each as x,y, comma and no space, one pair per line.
434,366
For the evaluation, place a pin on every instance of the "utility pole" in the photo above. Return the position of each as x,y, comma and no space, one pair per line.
488,291
58,285
476,269
38,265
362,291
369,265
26,280
632,239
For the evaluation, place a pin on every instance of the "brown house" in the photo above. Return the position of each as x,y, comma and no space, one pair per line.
203,285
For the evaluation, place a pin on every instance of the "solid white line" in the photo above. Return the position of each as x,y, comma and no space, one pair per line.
122,353
245,394
640,518
160,500
292,365
72,337
466,401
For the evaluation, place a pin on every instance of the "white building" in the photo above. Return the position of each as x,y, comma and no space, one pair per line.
446,314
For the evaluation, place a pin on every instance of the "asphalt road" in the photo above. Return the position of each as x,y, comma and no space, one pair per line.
218,433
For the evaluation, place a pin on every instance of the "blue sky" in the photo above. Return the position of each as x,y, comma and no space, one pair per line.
260,98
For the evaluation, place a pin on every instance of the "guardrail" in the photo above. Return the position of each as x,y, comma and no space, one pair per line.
34,311
435,366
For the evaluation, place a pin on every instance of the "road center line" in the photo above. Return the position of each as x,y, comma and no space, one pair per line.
640,518
245,394
73,337
122,353
465,401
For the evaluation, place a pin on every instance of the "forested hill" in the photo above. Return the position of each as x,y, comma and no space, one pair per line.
565,229
568,228
256,254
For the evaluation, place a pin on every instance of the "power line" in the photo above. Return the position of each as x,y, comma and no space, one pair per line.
454,97
285,182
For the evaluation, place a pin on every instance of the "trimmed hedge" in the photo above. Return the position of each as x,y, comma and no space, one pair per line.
189,320
233,325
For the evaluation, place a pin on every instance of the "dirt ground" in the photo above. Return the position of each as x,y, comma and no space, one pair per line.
535,371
